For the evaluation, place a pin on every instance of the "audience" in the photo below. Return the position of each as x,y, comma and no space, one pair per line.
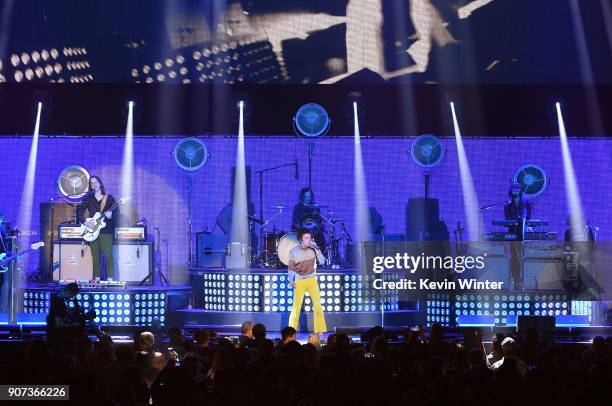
315,340
259,332
421,369
288,334
246,339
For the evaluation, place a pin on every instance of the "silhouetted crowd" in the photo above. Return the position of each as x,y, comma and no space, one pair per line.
169,368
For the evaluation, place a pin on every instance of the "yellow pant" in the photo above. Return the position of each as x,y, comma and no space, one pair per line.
311,286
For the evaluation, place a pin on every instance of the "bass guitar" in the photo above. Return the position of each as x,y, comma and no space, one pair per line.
6,259
98,220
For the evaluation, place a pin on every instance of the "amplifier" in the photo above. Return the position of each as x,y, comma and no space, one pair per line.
134,233
70,232
237,256
76,261
543,274
529,235
133,261
211,250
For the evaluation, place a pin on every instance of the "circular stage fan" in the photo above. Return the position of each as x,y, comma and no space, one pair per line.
73,182
311,121
427,151
190,154
532,178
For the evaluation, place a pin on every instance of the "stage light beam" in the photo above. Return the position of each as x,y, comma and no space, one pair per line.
240,223
127,168
574,202
27,194
470,199
362,213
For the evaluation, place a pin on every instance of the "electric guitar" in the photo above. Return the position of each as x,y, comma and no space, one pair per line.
6,259
92,233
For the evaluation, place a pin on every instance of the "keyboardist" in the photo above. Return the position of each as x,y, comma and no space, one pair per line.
518,207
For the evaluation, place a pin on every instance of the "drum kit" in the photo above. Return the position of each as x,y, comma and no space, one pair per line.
329,232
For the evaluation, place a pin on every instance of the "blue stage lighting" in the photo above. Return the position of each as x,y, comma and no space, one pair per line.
427,151
311,121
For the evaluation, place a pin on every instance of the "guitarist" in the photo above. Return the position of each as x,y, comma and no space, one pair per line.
96,202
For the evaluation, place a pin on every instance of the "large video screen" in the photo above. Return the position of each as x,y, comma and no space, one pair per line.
307,41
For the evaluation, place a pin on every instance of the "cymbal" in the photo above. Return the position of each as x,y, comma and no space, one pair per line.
279,207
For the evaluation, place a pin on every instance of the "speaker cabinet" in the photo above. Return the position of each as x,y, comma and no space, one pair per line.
544,325
237,256
51,216
423,221
76,261
543,274
133,261
210,250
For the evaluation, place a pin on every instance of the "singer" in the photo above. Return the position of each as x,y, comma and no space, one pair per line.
303,277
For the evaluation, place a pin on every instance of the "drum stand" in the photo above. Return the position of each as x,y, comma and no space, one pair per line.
332,249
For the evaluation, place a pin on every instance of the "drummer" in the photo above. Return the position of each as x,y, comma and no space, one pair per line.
307,215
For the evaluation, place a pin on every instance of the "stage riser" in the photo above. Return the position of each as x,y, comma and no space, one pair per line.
270,292
133,306
279,320
504,308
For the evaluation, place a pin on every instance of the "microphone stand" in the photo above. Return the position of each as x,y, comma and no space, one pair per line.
481,211
261,173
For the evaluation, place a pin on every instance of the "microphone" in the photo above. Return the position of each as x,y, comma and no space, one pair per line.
297,170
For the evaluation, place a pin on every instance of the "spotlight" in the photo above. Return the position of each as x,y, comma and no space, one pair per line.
353,98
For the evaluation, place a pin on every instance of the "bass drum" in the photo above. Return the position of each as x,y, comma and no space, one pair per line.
286,244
